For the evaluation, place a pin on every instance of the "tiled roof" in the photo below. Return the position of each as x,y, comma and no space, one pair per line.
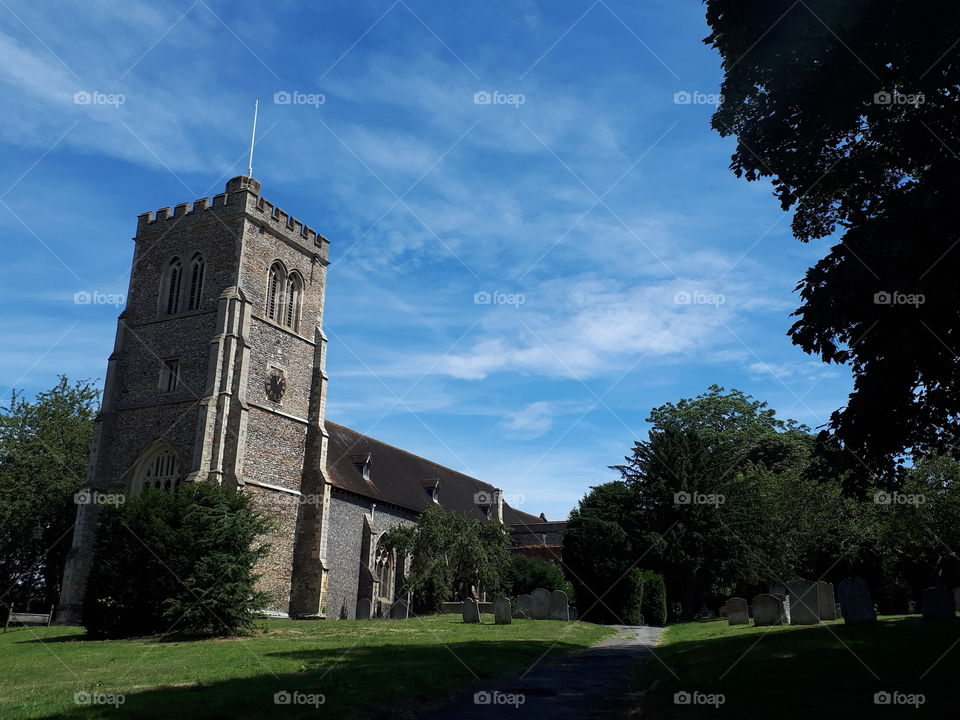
403,479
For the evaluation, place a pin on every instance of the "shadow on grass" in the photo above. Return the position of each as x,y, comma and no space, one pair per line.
827,671
382,681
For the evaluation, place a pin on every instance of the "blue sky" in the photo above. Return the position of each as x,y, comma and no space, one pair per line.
622,263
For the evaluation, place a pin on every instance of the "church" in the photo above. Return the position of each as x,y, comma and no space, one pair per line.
218,375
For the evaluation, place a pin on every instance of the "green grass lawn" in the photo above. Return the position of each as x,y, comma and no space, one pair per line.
819,672
362,668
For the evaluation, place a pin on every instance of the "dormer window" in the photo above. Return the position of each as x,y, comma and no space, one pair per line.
432,487
361,463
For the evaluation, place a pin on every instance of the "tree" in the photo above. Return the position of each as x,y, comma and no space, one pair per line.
849,108
525,574
716,498
177,563
44,444
451,556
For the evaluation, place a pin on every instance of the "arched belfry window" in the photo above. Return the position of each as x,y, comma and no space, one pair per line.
276,285
171,287
284,296
294,295
197,266
158,468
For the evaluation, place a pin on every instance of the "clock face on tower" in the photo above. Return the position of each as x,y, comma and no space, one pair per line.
276,384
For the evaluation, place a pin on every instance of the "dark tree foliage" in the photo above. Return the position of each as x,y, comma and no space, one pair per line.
177,563
525,574
44,445
653,608
714,499
850,108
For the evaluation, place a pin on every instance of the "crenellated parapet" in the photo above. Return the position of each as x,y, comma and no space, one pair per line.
242,196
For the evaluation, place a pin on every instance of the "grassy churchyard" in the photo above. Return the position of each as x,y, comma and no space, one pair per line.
827,671
392,667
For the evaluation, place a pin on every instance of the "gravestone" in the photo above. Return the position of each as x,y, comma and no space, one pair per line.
768,610
723,610
399,610
737,612
363,609
502,612
559,606
803,602
826,603
471,613
777,589
937,604
572,611
525,605
785,601
540,604
856,605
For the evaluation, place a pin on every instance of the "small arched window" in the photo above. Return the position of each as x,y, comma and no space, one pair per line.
292,309
275,290
197,267
159,468
171,287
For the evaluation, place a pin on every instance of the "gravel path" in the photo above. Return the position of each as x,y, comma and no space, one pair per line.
571,686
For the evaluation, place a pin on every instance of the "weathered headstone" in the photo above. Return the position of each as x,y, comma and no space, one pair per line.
937,604
540,604
502,612
777,589
737,612
803,602
399,610
572,611
785,599
826,603
768,610
471,613
856,605
525,605
559,608
363,609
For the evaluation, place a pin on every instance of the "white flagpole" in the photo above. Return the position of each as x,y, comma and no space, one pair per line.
253,135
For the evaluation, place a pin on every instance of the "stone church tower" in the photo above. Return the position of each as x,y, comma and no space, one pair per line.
217,374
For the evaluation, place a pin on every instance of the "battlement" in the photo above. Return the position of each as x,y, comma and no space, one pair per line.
242,196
